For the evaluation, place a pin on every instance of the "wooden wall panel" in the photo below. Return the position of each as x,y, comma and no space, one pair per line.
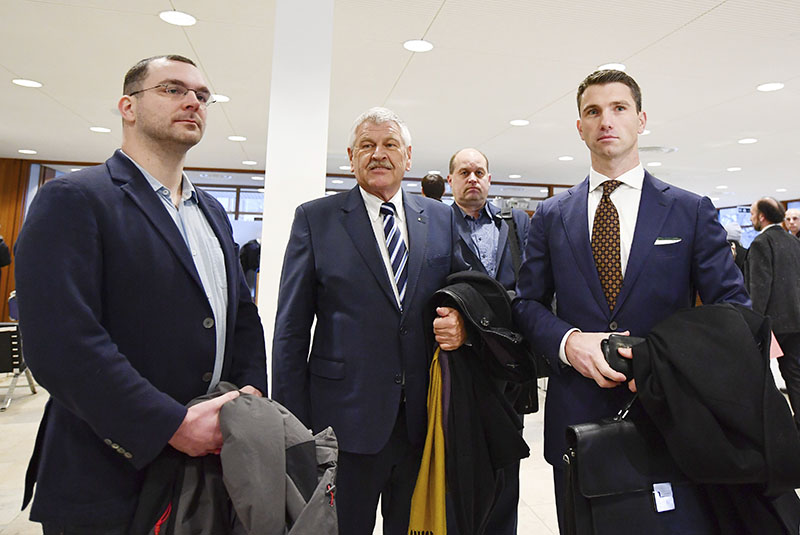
13,186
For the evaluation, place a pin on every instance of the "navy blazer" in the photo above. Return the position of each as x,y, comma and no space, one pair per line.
118,328
505,264
364,346
678,250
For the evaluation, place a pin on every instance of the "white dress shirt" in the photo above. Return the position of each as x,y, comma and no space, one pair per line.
626,200
373,205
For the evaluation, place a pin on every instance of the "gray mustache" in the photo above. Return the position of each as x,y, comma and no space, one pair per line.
385,165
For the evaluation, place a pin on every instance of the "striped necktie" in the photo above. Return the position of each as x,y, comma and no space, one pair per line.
398,254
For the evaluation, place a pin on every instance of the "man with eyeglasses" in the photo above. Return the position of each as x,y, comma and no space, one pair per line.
131,303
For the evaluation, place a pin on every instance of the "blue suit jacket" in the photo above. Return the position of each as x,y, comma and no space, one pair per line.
364,347
116,327
505,265
659,280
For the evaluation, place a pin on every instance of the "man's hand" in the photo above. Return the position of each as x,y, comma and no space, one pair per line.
449,329
584,354
250,389
199,433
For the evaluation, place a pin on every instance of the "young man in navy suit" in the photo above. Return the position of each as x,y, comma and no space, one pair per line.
666,247
366,373
131,304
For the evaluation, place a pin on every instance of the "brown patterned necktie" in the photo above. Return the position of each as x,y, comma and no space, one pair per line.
605,244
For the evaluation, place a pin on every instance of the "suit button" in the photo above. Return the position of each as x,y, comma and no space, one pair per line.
115,446
404,331
207,377
128,455
108,441
613,325
208,323
398,379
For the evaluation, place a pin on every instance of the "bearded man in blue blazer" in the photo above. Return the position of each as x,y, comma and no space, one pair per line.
364,264
574,290
131,303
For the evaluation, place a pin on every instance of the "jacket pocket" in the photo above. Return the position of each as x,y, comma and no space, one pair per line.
329,369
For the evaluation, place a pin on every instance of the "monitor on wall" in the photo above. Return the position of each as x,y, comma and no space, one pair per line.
741,215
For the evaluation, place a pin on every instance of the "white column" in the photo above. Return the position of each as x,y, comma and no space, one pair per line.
297,138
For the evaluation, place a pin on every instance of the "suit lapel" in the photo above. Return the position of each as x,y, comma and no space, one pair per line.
417,225
139,191
574,217
356,222
467,245
654,206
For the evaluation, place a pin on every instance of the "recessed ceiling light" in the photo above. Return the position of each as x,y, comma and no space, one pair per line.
237,138
418,45
653,164
75,169
26,83
260,190
748,141
722,187
337,181
203,175
178,18
514,176
714,198
344,167
249,162
100,129
411,185
565,158
26,151
612,67
220,98
645,132
781,190
331,192
434,172
259,177
733,169
771,86
543,190
519,122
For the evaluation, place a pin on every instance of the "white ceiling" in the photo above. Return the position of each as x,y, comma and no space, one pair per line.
698,62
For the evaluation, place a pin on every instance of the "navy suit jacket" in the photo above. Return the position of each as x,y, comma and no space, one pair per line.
117,327
678,250
364,346
505,265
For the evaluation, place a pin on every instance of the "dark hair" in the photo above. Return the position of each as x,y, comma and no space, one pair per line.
433,186
453,160
609,76
138,72
772,209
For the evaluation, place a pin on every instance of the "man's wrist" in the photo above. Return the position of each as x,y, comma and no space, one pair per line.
562,348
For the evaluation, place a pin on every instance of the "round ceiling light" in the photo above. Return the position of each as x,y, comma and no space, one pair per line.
26,83
418,45
770,86
177,18
612,67
237,138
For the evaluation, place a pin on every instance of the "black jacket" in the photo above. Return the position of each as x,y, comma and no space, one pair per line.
703,378
482,433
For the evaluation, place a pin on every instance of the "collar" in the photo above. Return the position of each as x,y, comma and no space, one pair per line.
373,204
633,178
770,226
485,210
187,188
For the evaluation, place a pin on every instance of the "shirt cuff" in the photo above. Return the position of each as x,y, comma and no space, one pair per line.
562,348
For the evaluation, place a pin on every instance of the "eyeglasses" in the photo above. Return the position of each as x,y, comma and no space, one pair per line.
177,92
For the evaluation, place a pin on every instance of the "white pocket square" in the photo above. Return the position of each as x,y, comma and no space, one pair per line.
666,241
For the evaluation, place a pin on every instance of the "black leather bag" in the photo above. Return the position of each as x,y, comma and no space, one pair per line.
622,480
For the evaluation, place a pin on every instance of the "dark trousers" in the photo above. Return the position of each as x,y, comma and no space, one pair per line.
389,475
560,487
789,365
52,528
503,518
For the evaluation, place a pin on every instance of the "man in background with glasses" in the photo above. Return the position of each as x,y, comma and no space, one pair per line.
131,303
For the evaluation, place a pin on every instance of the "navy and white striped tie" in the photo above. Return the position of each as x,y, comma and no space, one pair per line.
398,254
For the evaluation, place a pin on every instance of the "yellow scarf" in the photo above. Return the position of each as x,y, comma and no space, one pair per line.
428,503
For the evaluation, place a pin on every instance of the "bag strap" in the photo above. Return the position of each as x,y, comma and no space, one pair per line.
623,412
516,250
